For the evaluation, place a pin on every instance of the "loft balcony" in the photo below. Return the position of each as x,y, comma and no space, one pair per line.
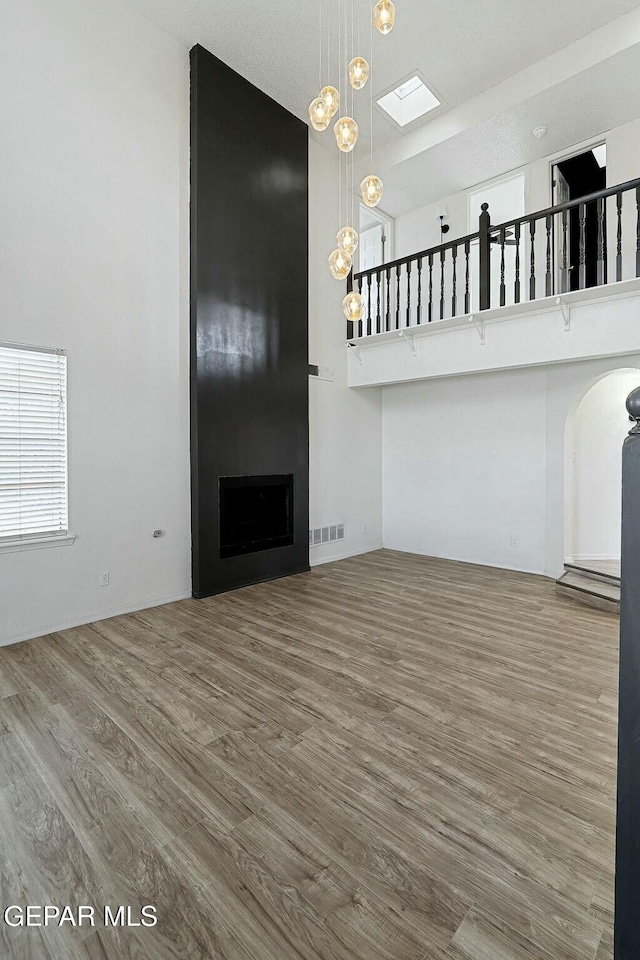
557,285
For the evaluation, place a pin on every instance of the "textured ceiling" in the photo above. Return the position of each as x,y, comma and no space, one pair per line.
588,104
461,47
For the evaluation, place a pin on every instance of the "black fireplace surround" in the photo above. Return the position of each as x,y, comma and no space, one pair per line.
256,513
249,333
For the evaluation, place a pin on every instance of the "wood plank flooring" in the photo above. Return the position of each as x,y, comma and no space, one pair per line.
388,758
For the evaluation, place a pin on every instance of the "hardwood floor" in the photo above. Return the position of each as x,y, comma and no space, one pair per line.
388,758
610,568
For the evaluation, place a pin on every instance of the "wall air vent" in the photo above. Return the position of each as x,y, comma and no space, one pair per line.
322,535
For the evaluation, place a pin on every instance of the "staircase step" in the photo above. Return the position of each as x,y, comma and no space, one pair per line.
589,590
596,572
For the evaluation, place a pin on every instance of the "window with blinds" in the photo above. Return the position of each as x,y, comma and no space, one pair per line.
33,443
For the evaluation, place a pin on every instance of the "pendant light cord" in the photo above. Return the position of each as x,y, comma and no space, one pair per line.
328,47
320,34
371,90
345,23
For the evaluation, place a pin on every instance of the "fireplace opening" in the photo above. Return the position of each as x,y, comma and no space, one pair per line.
256,513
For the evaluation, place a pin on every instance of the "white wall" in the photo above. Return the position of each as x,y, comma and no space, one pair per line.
420,229
623,164
526,335
471,462
623,150
464,468
94,256
345,425
594,468
93,252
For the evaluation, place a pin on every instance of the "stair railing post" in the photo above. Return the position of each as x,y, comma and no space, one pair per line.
627,901
485,258
351,327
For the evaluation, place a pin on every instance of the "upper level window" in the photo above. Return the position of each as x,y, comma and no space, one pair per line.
33,443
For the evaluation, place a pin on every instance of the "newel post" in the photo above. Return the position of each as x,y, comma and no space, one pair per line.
627,904
485,258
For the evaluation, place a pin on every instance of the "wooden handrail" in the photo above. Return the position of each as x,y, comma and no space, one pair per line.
496,228
396,298
569,205
449,245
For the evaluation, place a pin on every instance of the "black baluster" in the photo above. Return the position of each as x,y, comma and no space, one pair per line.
503,285
564,280
454,299
430,308
378,322
548,286
619,239
517,289
443,255
356,326
582,269
532,278
601,246
420,290
388,320
409,294
368,304
351,330
467,288
638,233
398,268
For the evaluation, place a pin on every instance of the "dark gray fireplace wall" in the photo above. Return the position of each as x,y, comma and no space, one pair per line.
249,313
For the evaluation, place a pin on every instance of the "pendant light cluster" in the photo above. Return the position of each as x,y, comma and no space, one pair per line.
321,112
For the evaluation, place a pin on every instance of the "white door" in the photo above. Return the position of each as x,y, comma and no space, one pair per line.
371,255
562,194
506,201
372,247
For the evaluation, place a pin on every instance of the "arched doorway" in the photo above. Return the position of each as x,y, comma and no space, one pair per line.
595,431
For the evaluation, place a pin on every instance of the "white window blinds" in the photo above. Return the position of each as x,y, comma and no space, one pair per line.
33,443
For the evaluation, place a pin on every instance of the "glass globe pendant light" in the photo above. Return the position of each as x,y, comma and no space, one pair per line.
332,99
346,130
358,73
347,240
371,190
352,307
340,264
319,114
384,16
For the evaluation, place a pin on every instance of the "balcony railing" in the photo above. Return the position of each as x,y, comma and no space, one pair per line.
584,243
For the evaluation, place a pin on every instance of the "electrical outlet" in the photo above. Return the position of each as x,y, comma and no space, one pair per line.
515,542
103,579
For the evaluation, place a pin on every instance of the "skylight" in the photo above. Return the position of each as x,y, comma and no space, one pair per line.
411,100
600,153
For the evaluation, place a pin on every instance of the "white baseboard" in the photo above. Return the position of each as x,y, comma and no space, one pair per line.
92,618
344,555
587,558
473,563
